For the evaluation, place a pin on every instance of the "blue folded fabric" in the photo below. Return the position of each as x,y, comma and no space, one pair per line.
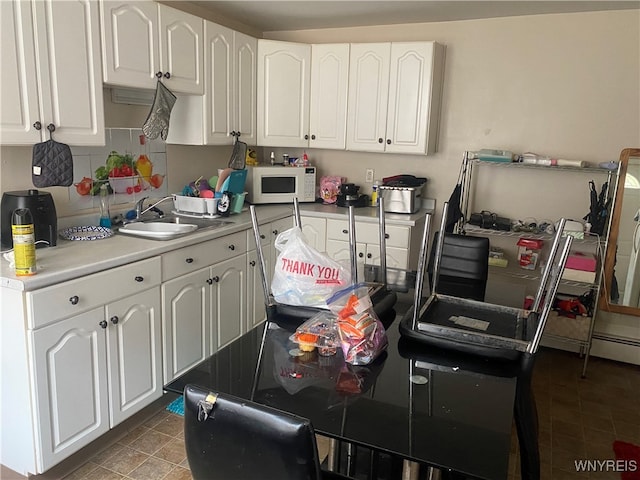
177,406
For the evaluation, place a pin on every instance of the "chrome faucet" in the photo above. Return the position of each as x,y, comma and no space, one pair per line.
140,210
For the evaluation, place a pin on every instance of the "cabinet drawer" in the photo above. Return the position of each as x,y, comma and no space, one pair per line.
368,233
53,303
190,259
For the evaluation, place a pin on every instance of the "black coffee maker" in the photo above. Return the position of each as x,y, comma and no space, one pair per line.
349,196
43,212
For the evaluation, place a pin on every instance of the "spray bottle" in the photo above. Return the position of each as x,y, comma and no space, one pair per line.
24,242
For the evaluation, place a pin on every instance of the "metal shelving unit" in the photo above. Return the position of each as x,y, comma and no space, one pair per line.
578,331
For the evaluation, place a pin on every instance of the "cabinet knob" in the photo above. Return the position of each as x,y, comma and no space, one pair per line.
216,279
275,232
210,281
232,247
74,300
189,260
51,127
114,319
158,74
388,141
252,263
138,278
167,75
361,255
103,324
37,125
262,236
313,137
306,137
345,231
380,140
368,255
386,235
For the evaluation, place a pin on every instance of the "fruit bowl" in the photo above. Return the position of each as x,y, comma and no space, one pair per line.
128,185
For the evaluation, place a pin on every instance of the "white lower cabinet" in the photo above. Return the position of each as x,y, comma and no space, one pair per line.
315,231
205,309
92,371
256,312
186,321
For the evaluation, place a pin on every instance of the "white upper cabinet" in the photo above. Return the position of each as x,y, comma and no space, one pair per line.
329,88
284,78
51,74
394,97
141,40
368,92
228,108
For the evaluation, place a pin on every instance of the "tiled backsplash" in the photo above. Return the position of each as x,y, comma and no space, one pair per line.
86,160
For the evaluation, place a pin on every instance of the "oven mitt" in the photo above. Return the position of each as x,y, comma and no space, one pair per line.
52,165
157,123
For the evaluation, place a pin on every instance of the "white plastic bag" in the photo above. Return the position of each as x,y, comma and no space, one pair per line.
302,275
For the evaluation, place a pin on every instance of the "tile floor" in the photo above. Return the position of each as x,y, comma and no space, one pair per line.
579,419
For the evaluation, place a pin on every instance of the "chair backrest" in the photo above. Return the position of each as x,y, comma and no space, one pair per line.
228,438
464,266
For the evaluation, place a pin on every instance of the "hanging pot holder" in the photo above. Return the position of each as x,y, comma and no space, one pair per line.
52,164
157,123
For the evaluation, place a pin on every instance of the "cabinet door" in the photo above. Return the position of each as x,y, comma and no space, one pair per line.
130,49
276,228
256,312
315,231
181,47
18,82
186,320
229,300
70,377
245,49
409,97
220,91
329,88
134,353
368,93
70,70
341,252
284,71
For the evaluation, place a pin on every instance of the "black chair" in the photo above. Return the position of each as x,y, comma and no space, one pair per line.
464,266
230,438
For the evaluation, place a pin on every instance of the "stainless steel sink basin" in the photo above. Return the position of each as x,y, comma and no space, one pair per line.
169,227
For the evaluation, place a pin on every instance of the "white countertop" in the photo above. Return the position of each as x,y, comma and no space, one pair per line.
73,259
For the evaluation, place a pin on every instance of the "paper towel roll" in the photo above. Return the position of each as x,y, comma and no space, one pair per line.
570,163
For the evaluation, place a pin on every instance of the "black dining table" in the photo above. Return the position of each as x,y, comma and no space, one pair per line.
435,407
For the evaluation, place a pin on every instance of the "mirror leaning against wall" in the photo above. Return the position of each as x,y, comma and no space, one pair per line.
622,261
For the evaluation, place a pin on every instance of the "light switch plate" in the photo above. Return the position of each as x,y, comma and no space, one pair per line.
369,176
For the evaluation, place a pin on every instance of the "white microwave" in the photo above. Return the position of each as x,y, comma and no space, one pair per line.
278,184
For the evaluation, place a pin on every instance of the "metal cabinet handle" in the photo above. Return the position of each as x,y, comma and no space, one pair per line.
369,255
306,137
138,278
380,140
252,263
275,232
37,125
232,247
167,75
114,319
313,137
158,74
361,255
262,236
103,324
74,300
388,141
345,231
386,235
210,281
189,260
51,127
216,279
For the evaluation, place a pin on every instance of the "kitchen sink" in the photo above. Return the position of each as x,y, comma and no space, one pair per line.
169,227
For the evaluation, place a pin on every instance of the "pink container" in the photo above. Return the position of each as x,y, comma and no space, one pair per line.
582,261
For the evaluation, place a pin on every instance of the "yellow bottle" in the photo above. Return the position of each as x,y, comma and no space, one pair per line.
24,242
